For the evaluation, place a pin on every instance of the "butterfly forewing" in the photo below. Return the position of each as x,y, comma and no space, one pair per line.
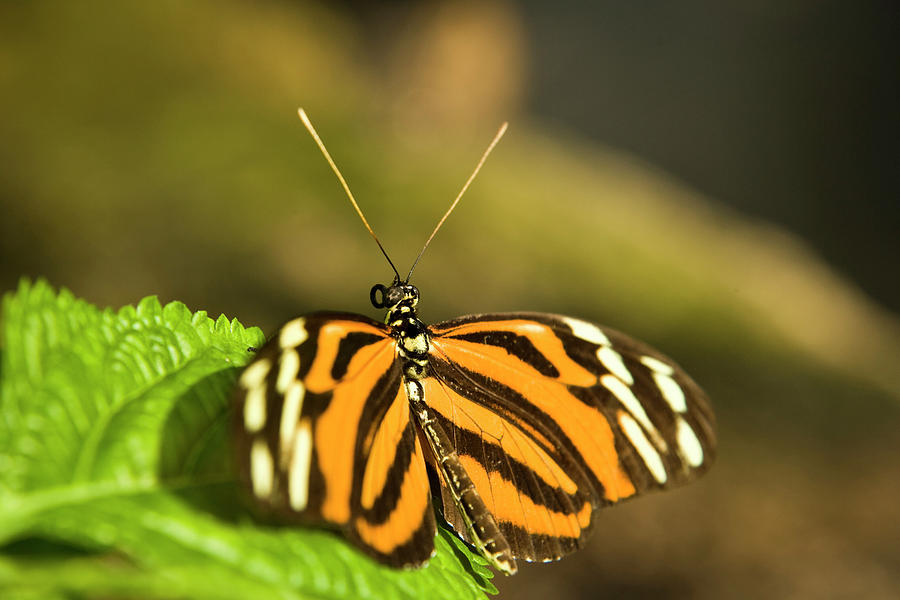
325,435
554,417
645,395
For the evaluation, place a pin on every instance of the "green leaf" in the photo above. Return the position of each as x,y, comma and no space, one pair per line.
114,466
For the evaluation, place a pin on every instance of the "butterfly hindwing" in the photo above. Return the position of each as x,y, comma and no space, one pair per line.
535,493
325,435
554,417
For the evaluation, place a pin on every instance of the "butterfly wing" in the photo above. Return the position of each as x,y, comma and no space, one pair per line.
553,417
324,435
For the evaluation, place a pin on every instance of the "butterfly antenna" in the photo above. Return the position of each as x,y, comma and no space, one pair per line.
315,136
484,156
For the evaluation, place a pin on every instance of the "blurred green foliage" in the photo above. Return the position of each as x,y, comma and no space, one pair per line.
154,148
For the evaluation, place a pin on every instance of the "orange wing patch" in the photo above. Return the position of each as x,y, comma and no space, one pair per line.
546,404
337,427
411,515
541,336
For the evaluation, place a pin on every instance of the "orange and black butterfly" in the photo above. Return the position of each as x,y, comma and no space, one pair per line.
521,424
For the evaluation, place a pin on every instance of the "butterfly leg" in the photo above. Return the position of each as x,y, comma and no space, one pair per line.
481,527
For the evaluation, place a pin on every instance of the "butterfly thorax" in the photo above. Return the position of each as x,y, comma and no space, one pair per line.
400,300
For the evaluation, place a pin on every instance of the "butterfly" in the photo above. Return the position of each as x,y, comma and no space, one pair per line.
521,425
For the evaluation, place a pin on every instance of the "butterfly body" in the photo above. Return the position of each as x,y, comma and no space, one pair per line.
529,422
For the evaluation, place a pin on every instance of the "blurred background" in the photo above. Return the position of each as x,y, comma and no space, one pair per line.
719,180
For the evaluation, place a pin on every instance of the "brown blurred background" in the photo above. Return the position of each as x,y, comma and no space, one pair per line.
719,181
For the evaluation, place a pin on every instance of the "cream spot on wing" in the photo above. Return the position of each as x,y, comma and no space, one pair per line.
287,371
644,448
671,392
298,482
261,473
688,445
586,331
255,374
255,409
290,414
657,366
624,395
293,333
612,360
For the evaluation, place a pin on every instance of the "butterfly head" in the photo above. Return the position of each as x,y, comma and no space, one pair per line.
398,294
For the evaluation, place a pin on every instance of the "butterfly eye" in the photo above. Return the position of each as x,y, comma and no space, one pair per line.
394,295
378,296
